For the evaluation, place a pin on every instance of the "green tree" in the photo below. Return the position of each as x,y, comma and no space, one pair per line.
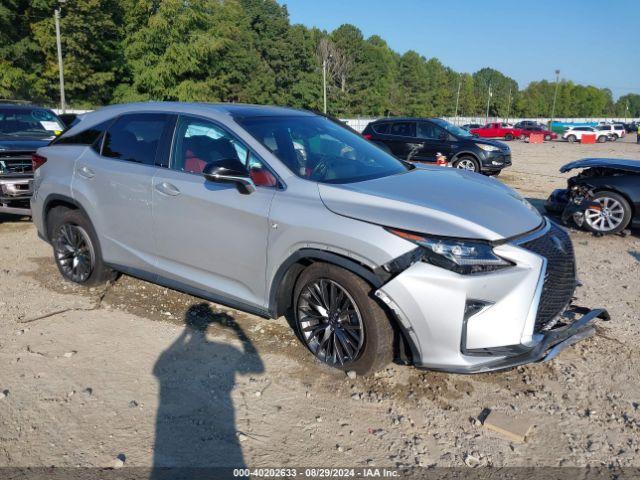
500,87
199,50
90,46
19,54
628,105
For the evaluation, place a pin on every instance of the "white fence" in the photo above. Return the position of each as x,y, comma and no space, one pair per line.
359,124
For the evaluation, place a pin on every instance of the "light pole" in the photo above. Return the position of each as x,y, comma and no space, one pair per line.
324,83
458,99
509,105
56,16
486,117
555,96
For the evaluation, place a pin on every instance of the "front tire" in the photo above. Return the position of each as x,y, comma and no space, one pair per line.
508,137
602,139
340,322
76,249
547,138
571,138
612,217
467,163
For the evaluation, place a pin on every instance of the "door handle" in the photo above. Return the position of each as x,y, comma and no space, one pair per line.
86,172
167,189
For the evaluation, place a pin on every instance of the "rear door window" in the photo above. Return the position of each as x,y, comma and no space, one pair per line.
381,128
430,131
403,129
135,137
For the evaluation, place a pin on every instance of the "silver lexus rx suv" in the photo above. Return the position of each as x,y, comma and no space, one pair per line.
278,211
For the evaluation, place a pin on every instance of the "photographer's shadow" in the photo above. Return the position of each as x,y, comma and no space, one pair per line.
195,424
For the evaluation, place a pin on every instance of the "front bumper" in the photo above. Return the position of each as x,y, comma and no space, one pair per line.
495,161
492,321
15,194
550,345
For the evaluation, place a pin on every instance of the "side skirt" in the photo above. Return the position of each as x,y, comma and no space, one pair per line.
196,292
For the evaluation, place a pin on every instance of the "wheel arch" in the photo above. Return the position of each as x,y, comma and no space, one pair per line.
282,285
466,153
57,200
289,271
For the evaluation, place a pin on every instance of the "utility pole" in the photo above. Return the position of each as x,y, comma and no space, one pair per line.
509,105
555,96
324,83
457,100
486,117
56,16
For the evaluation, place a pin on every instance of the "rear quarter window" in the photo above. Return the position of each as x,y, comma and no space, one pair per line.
88,136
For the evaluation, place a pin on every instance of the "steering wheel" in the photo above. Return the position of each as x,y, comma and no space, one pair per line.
319,172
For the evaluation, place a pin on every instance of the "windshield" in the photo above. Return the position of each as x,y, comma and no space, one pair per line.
29,122
452,129
316,148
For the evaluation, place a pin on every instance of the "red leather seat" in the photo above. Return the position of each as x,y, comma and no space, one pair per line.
194,164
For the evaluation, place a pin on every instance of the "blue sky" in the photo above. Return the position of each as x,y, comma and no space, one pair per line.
594,42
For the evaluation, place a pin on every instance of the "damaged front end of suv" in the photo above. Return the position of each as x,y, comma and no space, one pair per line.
604,197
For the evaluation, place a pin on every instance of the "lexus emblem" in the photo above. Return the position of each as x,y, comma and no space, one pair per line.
558,244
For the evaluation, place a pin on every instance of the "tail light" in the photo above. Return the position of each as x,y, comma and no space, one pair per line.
37,161
367,136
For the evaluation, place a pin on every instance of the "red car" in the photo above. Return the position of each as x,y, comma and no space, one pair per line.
497,130
548,134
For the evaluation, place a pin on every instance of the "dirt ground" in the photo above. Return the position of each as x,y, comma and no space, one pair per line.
116,372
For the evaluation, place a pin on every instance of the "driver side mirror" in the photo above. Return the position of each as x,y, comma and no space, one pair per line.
219,173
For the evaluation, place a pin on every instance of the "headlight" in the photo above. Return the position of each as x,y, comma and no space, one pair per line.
460,256
487,148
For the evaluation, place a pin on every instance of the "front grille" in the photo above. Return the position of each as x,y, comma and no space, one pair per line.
560,277
15,163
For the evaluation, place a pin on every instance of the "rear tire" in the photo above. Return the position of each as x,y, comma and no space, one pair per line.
337,318
547,138
508,137
76,249
523,137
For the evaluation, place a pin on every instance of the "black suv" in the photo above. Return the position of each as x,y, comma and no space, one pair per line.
23,129
420,139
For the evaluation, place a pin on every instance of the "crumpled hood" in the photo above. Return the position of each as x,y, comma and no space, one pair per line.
615,163
437,201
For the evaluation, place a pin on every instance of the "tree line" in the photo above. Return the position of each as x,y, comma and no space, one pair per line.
248,51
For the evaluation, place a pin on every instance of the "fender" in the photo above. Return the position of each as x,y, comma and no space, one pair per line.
465,152
55,197
376,278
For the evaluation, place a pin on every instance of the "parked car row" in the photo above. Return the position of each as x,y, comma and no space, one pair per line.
421,139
